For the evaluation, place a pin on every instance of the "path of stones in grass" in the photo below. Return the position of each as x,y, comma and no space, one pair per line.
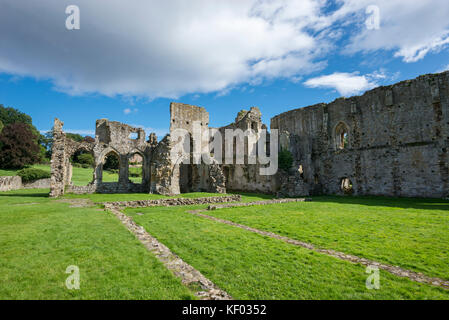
397,271
190,277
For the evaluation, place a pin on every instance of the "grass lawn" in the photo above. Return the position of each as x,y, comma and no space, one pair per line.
246,197
40,238
410,233
80,176
8,173
250,266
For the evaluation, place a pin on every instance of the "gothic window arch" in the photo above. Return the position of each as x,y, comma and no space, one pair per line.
341,136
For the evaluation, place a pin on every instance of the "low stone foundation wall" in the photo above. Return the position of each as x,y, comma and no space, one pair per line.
10,183
15,183
38,184
173,202
107,188
255,203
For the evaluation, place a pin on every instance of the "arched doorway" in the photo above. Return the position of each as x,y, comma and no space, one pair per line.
110,167
135,167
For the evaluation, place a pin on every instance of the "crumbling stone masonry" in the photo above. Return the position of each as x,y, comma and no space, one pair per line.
390,141
159,174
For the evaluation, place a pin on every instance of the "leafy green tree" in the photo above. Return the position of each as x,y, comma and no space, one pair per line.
11,115
74,136
84,158
112,162
19,146
1,126
285,159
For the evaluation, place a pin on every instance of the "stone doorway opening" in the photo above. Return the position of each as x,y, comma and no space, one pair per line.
346,186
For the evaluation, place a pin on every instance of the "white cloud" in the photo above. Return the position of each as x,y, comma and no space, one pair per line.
83,132
159,48
345,83
412,29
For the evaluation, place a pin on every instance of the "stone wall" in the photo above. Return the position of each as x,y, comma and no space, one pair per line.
15,183
10,183
159,174
396,140
173,202
390,141
38,184
246,177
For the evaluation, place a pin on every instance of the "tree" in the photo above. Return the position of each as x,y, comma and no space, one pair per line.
89,139
19,146
11,115
86,159
74,136
1,126
112,162
285,159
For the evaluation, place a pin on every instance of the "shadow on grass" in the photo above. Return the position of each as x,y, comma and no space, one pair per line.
252,194
378,201
25,195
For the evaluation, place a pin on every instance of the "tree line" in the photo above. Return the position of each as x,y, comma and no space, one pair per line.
22,145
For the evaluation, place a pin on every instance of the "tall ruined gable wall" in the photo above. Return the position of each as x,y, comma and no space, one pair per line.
397,140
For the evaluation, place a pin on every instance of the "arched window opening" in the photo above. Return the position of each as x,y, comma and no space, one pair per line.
342,136
111,165
83,163
346,186
254,126
301,171
135,165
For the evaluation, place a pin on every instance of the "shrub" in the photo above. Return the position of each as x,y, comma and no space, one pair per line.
135,172
89,139
285,159
33,174
111,162
86,159
19,146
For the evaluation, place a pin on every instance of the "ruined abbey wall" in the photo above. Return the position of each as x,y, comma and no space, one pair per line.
390,141
246,177
396,143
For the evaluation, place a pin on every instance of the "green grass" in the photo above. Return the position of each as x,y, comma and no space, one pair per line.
9,173
410,233
250,266
80,176
40,238
246,197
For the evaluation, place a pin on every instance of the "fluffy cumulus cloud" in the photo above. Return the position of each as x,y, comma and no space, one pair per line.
169,48
345,83
412,29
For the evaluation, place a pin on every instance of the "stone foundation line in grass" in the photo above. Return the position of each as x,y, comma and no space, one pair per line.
256,203
190,277
397,271
172,202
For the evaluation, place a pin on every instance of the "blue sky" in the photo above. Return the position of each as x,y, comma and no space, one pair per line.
275,55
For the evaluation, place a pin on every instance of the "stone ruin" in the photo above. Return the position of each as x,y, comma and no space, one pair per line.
391,141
